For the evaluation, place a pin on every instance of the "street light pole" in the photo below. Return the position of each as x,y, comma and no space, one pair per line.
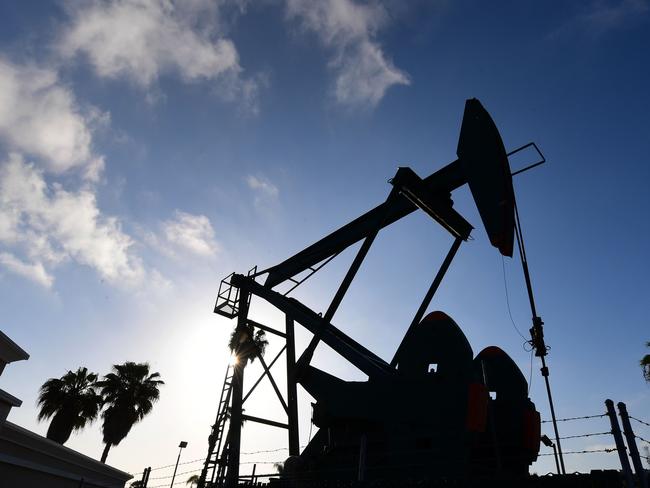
548,443
181,446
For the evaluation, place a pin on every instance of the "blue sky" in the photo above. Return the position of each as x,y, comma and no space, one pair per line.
148,149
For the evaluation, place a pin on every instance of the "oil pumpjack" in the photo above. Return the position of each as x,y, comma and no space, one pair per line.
434,410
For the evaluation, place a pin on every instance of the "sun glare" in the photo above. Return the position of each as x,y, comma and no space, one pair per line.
233,360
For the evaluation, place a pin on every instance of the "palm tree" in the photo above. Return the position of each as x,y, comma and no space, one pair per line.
71,401
246,345
129,393
193,480
645,364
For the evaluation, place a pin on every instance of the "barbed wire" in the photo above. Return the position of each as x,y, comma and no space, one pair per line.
640,421
263,451
587,451
203,459
177,474
642,439
179,482
170,466
585,435
271,450
576,418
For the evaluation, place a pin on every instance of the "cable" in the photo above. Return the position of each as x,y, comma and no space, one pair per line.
530,373
311,424
505,287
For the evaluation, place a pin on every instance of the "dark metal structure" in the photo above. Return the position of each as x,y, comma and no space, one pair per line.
430,406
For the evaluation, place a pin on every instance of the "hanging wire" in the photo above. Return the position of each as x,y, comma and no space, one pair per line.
527,343
505,287
530,372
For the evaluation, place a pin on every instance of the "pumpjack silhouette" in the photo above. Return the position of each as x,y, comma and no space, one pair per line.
435,410
435,416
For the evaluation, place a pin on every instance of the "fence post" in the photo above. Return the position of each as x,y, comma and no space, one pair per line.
145,477
620,446
631,444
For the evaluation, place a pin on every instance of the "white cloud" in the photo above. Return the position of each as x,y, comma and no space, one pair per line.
190,233
599,17
263,186
604,16
141,40
40,116
51,225
363,73
32,271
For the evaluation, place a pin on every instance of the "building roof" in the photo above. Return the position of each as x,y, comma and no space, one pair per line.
10,351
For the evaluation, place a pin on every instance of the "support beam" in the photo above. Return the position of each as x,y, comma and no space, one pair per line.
429,295
445,180
292,394
364,359
275,386
308,353
266,328
263,374
232,474
259,420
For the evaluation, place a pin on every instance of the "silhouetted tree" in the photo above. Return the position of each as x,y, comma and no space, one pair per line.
129,394
193,480
71,401
137,484
246,345
645,364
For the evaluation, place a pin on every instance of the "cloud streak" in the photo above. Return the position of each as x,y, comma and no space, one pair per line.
142,40
32,271
39,116
363,71
190,233
51,225
262,186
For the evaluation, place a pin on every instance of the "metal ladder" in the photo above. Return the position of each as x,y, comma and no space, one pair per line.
212,474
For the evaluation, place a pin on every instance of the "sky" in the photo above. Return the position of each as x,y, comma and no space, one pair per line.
150,148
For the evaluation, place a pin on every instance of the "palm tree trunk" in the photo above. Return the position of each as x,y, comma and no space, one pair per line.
105,453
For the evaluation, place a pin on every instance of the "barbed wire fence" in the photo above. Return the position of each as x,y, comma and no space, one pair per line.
643,440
